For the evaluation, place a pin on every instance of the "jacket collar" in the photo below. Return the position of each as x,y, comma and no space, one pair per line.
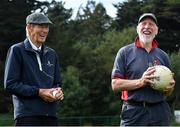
28,47
138,44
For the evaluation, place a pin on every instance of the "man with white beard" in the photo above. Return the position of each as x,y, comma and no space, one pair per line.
131,74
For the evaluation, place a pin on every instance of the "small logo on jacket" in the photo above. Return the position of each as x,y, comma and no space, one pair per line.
49,64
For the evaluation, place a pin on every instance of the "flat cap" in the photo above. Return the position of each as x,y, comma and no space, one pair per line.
37,18
150,15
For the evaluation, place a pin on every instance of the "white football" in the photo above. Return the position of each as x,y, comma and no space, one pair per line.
163,77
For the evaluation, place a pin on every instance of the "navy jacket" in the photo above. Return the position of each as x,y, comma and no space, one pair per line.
24,75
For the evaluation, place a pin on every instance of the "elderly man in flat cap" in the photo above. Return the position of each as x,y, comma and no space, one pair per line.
32,76
131,74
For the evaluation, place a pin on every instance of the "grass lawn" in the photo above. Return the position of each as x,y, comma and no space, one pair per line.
6,120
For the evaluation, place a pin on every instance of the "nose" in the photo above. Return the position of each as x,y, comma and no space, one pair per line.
146,25
45,29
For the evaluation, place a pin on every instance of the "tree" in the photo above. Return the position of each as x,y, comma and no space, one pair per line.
93,20
76,102
127,14
174,57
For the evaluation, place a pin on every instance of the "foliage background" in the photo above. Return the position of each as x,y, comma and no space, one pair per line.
87,46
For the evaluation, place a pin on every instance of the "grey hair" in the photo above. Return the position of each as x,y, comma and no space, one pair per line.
27,32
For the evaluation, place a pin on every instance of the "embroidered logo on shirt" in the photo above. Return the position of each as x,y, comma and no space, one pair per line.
156,62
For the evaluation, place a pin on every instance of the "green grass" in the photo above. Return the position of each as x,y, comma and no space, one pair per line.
6,120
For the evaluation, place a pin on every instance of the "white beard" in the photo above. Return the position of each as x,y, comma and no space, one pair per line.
146,39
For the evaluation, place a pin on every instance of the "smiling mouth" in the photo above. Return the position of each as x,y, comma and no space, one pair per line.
147,32
43,36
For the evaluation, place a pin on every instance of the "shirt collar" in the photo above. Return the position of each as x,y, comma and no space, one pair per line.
34,46
138,44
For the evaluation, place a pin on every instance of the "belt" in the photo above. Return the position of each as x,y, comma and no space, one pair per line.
141,103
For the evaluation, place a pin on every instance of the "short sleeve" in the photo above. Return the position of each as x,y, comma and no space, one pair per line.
118,70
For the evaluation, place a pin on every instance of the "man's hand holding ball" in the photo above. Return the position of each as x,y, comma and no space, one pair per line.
57,93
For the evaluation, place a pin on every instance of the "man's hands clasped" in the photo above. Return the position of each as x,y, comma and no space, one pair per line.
47,94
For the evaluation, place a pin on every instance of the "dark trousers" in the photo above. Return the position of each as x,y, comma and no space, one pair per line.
134,114
36,121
